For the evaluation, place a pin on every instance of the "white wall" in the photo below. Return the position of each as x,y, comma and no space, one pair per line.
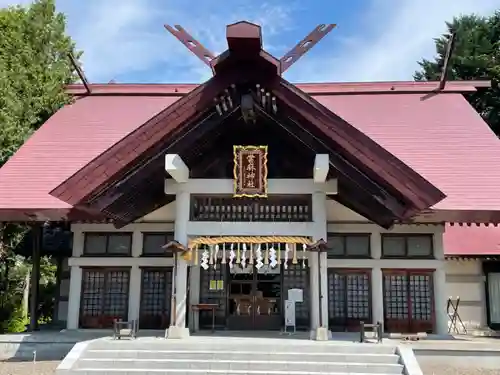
464,279
135,261
338,218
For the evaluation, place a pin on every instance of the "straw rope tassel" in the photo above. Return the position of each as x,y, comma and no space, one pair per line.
248,240
266,257
250,256
223,261
279,253
211,251
196,255
238,253
294,259
216,256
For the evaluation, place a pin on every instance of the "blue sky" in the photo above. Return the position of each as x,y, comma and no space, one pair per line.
375,40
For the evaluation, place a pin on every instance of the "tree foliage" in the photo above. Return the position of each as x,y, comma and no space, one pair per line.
34,68
476,56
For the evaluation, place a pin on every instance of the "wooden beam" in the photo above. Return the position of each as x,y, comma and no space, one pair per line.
292,56
175,167
321,167
447,57
80,73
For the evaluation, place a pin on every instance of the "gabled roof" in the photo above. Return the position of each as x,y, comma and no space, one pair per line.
386,190
425,134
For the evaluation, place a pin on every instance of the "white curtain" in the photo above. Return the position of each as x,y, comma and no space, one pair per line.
494,296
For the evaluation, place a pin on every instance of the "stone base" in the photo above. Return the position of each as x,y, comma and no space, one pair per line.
174,332
321,334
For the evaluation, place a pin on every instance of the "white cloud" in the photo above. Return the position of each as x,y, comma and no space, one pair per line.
125,37
394,35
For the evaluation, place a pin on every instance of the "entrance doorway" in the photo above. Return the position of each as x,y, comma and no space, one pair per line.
254,300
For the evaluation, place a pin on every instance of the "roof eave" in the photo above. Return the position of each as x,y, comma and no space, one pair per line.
326,88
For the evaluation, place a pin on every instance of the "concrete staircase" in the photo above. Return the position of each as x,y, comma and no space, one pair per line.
230,356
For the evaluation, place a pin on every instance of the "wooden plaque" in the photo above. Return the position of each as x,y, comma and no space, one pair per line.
250,171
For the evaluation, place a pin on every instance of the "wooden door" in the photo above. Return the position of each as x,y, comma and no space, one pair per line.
349,299
408,301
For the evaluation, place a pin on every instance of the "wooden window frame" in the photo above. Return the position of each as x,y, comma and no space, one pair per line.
168,237
107,235
106,271
344,238
406,236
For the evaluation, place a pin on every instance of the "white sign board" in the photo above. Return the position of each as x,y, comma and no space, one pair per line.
296,295
289,313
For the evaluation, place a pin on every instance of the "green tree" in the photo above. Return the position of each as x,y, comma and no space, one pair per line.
34,68
476,56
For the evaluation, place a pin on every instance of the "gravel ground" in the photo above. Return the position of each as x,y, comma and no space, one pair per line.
438,366
27,368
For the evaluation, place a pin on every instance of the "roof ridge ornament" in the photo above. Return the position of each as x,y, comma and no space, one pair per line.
245,42
191,43
318,33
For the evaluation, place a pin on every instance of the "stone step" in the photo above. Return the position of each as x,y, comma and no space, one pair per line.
239,355
199,372
255,347
238,365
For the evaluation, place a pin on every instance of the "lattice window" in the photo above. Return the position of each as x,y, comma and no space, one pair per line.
116,294
349,300
153,244
284,208
421,296
396,296
298,277
213,296
156,295
92,292
104,297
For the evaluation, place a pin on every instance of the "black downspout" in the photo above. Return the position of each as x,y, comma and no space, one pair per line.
320,292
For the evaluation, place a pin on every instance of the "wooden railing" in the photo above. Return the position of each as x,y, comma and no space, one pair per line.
282,208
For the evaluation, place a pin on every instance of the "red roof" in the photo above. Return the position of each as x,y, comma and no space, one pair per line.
474,240
431,133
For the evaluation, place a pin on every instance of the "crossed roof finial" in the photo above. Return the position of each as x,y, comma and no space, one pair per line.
251,33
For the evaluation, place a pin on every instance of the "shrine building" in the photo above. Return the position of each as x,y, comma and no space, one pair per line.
210,206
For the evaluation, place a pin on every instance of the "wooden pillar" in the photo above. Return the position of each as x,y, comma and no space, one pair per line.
35,275
57,292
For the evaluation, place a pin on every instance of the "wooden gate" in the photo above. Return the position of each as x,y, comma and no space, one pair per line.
349,298
408,301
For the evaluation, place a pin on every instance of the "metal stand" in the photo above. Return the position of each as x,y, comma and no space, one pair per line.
289,318
453,315
377,328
